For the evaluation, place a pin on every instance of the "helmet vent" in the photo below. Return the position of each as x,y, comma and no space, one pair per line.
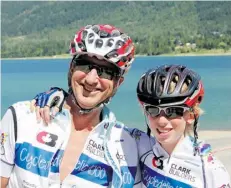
119,44
88,26
99,43
91,37
103,34
173,83
81,46
115,33
95,28
110,42
84,34
185,85
112,54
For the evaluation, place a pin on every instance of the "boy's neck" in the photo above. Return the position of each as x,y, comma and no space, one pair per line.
169,147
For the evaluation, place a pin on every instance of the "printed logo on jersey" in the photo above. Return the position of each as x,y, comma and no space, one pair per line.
2,141
225,186
210,158
120,157
181,172
95,148
93,170
158,162
33,159
151,178
47,138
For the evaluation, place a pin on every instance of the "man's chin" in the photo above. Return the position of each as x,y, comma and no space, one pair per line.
87,104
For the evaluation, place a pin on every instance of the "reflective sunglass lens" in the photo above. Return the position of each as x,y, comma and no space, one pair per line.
173,112
152,110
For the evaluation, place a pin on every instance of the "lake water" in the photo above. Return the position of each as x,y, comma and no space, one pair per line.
23,79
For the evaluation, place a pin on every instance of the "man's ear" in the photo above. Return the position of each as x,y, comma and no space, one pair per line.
120,80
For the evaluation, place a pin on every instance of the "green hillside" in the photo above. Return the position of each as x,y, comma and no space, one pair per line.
46,28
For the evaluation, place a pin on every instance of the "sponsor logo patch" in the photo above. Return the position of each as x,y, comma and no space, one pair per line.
47,138
2,141
181,172
157,162
120,157
95,148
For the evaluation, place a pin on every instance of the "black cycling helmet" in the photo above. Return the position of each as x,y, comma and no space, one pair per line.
165,85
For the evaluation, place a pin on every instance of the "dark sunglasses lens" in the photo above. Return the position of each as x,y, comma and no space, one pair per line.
152,110
106,75
173,112
83,68
102,71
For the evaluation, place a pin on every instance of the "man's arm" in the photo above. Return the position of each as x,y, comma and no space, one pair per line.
7,147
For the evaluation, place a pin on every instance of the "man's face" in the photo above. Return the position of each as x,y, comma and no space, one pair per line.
93,81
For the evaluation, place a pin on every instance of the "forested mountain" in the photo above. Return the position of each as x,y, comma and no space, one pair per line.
46,27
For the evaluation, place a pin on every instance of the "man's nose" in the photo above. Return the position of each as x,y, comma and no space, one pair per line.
92,77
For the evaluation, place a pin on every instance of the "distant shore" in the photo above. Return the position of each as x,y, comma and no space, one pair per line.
201,53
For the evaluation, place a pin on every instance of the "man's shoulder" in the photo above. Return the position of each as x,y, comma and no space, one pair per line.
22,105
136,134
21,109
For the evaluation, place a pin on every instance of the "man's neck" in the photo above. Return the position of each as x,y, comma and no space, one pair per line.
83,121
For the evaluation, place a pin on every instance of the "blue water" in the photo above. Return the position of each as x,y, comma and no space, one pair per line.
23,79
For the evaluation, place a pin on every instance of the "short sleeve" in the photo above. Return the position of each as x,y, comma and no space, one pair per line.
7,144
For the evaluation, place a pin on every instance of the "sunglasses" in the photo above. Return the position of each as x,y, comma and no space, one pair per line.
103,71
170,111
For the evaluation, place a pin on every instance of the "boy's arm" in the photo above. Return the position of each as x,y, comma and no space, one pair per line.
215,173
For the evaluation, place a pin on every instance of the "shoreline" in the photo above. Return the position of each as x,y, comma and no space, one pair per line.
67,56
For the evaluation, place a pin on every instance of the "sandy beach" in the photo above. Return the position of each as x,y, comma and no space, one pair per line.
221,145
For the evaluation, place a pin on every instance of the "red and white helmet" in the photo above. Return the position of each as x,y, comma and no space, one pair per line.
105,42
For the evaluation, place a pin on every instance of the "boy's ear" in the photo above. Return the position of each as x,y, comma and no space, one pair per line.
190,118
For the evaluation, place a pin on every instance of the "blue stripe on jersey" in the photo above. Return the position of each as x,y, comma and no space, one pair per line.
128,176
33,159
151,178
93,170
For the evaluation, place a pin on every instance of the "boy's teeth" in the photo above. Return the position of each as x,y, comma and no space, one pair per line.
163,131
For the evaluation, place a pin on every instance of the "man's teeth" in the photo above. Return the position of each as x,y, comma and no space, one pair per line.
89,89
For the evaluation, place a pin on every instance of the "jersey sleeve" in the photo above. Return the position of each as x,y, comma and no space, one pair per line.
217,176
7,136
138,183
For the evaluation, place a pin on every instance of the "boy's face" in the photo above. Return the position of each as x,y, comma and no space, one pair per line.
169,129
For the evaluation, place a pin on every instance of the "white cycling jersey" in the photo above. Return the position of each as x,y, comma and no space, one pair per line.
109,157
180,170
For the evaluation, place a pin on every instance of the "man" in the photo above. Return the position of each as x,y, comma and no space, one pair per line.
84,145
